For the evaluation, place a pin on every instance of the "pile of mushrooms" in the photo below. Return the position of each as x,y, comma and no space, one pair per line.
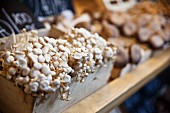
152,29
48,65
131,54
146,28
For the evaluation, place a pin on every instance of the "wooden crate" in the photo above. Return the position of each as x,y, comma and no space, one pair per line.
14,100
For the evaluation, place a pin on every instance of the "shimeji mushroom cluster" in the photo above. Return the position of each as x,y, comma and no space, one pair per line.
49,64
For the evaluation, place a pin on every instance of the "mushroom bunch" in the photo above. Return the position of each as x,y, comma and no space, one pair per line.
154,30
88,51
151,29
130,52
47,65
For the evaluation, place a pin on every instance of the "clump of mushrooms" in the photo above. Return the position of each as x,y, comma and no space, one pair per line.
48,65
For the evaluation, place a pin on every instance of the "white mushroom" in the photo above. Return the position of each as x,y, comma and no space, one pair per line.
97,51
67,78
66,88
64,64
22,62
25,71
65,49
49,77
69,70
37,45
33,57
47,57
33,86
108,52
42,77
55,57
37,51
89,46
16,63
41,40
50,46
37,65
34,73
8,77
19,80
61,41
79,44
44,85
52,40
56,63
78,49
12,71
45,50
7,54
53,73
61,75
29,49
26,79
98,56
46,38
19,55
10,59
32,40
41,59
52,53
93,40
77,56
82,39
56,82
45,69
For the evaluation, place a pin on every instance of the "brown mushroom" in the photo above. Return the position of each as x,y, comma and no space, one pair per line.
122,58
85,25
96,27
165,34
144,20
155,26
129,28
117,19
135,53
106,15
110,30
156,41
144,34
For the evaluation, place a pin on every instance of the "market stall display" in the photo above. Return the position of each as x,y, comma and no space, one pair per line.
69,66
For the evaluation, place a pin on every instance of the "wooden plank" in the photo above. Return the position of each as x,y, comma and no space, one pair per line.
117,91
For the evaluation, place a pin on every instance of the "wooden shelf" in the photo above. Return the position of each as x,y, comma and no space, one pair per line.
117,91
